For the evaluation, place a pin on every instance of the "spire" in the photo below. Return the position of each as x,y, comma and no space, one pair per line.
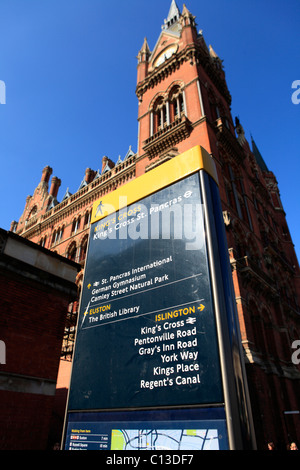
187,17
258,157
144,53
173,16
186,12
143,58
212,53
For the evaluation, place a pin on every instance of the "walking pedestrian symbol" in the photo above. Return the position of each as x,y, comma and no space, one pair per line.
99,209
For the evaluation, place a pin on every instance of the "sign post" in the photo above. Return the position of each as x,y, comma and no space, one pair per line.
157,361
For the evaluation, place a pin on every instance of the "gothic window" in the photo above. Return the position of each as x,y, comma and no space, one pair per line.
244,210
83,248
275,200
230,196
264,232
87,218
72,252
32,212
53,237
57,235
167,110
236,195
159,115
232,190
258,330
212,105
176,104
285,232
255,202
269,335
75,225
43,241
239,239
14,226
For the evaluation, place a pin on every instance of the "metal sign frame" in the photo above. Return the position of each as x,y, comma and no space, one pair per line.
195,161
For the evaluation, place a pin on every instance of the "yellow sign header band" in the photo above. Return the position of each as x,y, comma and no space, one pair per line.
191,161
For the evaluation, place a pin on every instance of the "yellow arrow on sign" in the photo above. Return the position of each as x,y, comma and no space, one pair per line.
202,307
89,286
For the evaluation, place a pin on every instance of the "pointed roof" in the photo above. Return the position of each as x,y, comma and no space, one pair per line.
119,160
186,12
260,161
173,16
82,184
173,12
52,204
129,153
145,52
106,168
67,195
98,174
212,52
145,47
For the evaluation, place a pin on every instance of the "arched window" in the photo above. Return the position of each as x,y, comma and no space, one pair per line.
176,104
72,251
75,225
83,248
54,237
43,241
159,115
270,343
239,238
57,235
60,233
87,218
258,328
32,212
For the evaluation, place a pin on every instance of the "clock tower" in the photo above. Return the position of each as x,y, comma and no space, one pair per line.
184,102
181,90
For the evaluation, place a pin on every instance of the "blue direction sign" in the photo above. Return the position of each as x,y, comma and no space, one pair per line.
157,348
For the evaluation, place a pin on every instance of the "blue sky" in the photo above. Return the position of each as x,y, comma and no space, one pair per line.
69,67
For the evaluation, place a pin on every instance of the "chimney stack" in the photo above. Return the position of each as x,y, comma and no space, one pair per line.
89,175
55,184
47,172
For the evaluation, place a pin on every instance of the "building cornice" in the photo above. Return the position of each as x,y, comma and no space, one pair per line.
106,183
196,55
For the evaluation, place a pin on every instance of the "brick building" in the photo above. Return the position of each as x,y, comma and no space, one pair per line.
36,287
184,101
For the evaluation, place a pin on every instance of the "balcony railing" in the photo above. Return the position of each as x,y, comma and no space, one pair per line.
168,136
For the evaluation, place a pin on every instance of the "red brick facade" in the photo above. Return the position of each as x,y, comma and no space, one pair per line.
36,287
184,101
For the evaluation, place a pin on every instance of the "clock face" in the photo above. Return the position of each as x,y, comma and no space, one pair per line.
166,54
